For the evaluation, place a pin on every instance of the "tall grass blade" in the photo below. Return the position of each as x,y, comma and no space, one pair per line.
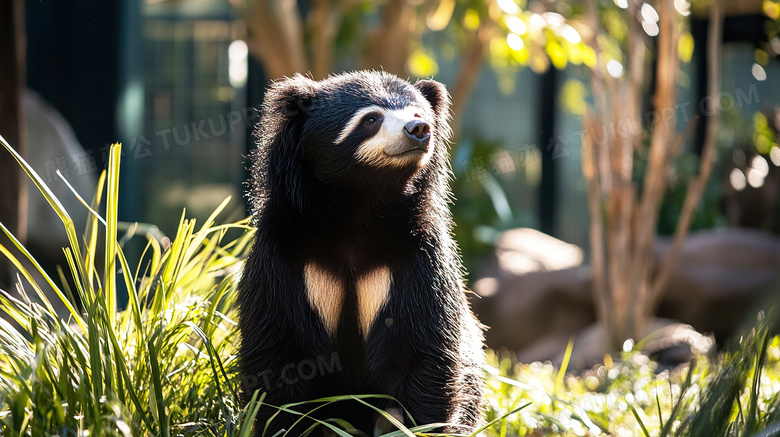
772,430
158,400
92,225
639,421
249,414
564,364
500,418
64,299
54,202
112,205
751,418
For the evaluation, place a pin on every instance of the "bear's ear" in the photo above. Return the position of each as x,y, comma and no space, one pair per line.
436,94
291,96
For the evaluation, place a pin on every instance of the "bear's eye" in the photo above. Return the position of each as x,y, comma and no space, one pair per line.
370,120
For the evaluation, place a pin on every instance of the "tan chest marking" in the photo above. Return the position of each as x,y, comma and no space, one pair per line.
373,290
326,295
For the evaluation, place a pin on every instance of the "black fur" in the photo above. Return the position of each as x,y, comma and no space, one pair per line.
314,202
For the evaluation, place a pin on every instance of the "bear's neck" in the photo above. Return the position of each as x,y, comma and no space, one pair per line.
356,227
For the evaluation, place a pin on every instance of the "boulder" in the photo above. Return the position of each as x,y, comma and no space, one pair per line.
535,296
722,277
534,286
667,342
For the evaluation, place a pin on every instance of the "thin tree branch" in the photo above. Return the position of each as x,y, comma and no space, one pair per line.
709,155
597,182
590,171
635,268
661,139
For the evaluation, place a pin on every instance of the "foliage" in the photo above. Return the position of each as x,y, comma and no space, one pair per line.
633,396
165,365
483,205
763,136
707,215
160,367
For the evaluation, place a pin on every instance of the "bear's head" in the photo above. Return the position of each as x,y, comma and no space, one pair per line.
356,131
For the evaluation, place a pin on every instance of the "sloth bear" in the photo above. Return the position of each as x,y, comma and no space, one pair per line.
354,282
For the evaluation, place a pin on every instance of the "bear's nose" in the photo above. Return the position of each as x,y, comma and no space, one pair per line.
417,130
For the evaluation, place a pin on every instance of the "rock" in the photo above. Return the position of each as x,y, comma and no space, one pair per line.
667,342
720,277
675,343
534,287
534,296
527,250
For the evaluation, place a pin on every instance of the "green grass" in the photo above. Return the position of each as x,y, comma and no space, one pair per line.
165,365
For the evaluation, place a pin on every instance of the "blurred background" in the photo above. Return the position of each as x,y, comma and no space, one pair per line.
616,161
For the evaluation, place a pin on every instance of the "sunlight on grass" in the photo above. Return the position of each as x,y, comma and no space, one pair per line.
165,364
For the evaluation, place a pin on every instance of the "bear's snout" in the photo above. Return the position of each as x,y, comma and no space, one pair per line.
418,130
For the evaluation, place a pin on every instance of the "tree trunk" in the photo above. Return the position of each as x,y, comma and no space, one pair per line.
275,37
708,156
13,191
389,43
622,241
286,41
